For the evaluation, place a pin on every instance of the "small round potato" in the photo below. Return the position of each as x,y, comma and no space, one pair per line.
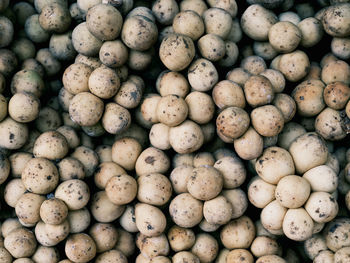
322,178
112,255
328,125
270,258
179,177
13,191
294,66
159,136
217,210
152,247
286,105
176,51
116,119
336,95
27,81
227,93
246,229
171,82
152,160
206,247
292,191
104,82
171,110
341,47
104,235
121,189
139,33
113,53
104,22
75,193
185,256
150,220
233,122
263,246
34,30
232,170
125,242
75,78
186,211
84,42
61,46
202,75
238,200
180,238
205,183
297,224
103,210
40,176
267,120
28,207
336,19
217,21
51,145
322,207
80,248
125,152
154,189
53,211
284,36
256,22
55,18
86,109
189,23
337,70
186,138
276,79
311,31
70,168
253,64
127,220
20,243
250,145
274,164
272,216
258,91
211,47
260,193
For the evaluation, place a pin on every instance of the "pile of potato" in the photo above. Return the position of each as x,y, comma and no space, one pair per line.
174,131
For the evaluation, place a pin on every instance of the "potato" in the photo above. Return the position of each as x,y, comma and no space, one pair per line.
40,176
232,170
205,226
202,159
104,235
189,23
139,33
184,256
200,107
27,260
238,200
250,145
113,53
237,255
27,81
151,247
176,51
41,235
335,20
253,64
284,36
5,256
51,16
34,30
92,62
143,11
272,216
258,91
286,105
274,164
127,220
232,122
314,245
165,11
328,124
104,153
86,109
104,82
148,107
202,75
297,224
105,171
211,18
256,22
103,210
70,168
322,178
205,183
205,247
152,160
171,110
181,238
264,50
337,70
292,191
154,189
57,233
140,60
217,210
276,79
260,193
125,243
270,258
310,156
46,254
340,47
185,210
334,234
50,63
20,243
13,135
311,31
179,177
267,120
198,6
27,208
263,246
75,193
13,191
121,189
23,48
238,75
53,211
61,46
110,256
75,78
342,254
159,136
290,17
84,42
80,248
104,22
227,93
242,225
51,145
171,82
149,220
322,207
70,135
336,95
211,47
290,132
301,65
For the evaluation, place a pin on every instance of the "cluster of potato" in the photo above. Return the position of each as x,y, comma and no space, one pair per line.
174,131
